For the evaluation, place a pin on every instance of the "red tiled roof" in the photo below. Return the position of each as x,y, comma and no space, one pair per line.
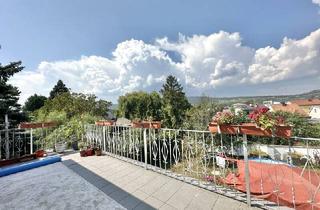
307,102
292,108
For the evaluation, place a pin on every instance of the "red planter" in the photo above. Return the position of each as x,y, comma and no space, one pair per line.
49,124
152,124
89,152
137,124
104,123
147,124
227,129
40,153
83,153
28,125
251,129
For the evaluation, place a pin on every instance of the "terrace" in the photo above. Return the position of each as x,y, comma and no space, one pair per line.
146,168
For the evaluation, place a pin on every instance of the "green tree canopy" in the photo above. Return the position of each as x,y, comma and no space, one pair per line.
9,95
59,88
200,115
175,103
34,102
140,105
67,105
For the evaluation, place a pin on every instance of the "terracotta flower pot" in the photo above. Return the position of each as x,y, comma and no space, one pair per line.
98,152
105,122
226,129
152,124
49,124
30,125
40,153
83,153
108,123
252,129
137,124
90,152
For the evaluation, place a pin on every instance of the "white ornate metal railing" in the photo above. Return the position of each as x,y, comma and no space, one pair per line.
232,165
18,142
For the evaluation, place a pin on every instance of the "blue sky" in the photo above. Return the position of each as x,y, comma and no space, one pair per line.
51,37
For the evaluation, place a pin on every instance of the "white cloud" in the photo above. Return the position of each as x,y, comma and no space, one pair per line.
316,2
214,62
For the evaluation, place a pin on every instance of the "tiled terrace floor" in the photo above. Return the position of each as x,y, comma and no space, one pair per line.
136,188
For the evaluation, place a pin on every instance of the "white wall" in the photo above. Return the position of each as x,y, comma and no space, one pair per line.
280,152
315,112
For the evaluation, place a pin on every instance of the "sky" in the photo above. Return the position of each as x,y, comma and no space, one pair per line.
215,48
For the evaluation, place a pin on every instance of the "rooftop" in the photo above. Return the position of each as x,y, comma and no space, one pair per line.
292,108
307,102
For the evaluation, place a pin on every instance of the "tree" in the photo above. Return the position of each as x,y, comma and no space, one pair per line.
71,112
200,115
9,95
59,88
34,102
175,103
140,105
73,105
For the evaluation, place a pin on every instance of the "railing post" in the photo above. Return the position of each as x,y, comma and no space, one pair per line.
145,148
31,141
247,173
104,138
6,123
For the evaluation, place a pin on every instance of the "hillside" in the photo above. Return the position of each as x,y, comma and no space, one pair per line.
257,99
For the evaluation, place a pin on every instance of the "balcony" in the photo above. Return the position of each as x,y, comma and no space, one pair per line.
165,169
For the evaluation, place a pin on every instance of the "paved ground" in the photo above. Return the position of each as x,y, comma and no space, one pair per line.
51,187
136,188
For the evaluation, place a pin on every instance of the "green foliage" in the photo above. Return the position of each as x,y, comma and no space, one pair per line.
140,105
71,112
300,124
71,130
34,102
175,103
71,105
199,116
59,88
9,95
266,122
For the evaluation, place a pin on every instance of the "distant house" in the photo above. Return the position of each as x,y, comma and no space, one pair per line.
270,103
290,107
307,104
315,112
239,107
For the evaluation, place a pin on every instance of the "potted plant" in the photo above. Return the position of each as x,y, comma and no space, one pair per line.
89,151
40,153
105,122
82,146
60,146
137,123
223,122
265,124
98,151
259,122
150,123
